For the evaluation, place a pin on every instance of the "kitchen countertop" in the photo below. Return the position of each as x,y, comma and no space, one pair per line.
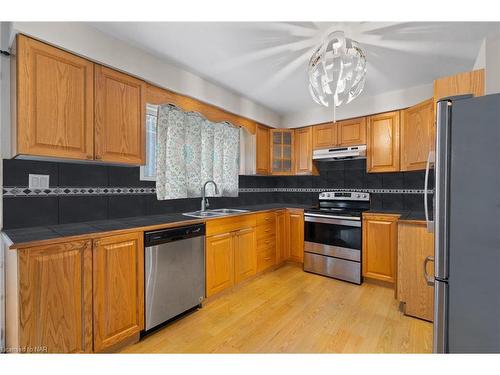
404,215
26,237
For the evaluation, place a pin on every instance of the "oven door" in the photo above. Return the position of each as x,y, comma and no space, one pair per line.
334,236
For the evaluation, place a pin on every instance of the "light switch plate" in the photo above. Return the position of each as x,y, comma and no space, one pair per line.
38,181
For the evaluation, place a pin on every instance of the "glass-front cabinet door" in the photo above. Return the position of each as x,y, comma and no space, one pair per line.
281,151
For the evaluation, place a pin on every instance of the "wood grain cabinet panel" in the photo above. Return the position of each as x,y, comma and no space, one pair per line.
245,254
55,297
414,245
118,282
380,238
295,227
463,83
282,151
281,242
324,135
303,151
352,132
119,117
55,101
382,149
417,135
263,140
219,263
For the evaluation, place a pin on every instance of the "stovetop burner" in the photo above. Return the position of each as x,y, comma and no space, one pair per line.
341,204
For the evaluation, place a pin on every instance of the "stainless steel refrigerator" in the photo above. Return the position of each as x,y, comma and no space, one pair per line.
467,225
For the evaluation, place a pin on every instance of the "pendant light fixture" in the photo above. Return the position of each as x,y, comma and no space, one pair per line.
337,71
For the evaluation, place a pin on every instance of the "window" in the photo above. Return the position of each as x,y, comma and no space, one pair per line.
148,171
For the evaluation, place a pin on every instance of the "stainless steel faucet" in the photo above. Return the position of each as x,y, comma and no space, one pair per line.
204,201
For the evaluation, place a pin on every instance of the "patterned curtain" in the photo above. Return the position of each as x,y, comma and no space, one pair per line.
191,150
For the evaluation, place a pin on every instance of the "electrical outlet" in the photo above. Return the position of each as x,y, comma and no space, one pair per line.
38,181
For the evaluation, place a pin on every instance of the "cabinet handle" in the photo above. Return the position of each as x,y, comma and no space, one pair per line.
98,157
90,157
429,280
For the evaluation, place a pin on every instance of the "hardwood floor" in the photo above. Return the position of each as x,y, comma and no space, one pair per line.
291,311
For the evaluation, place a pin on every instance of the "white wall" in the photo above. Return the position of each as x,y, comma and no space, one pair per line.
361,106
82,39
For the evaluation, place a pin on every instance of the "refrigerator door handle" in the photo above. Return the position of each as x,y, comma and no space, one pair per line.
428,279
429,223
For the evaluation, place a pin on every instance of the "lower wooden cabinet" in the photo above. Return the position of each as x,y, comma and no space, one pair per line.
245,256
380,241
118,289
281,243
55,298
415,244
295,234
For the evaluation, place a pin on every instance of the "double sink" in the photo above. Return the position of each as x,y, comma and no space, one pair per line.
214,213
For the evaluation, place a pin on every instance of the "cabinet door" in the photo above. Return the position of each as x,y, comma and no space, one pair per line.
281,152
458,84
219,263
324,135
263,149
296,235
379,247
280,237
55,102
352,132
119,117
55,290
414,245
417,135
118,289
382,149
303,151
245,254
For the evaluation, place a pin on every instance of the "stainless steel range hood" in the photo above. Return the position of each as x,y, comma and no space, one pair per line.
340,153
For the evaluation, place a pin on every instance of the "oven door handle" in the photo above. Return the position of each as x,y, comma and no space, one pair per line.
325,219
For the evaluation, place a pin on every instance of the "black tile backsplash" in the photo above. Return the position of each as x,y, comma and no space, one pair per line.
37,211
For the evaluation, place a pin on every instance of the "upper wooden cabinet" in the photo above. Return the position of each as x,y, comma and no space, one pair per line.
54,101
282,151
55,297
380,239
382,148
417,135
464,83
119,117
351,132
324,135
118,289
263,149
303,151
415,244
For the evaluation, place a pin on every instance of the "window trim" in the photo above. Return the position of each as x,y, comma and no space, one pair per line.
151,110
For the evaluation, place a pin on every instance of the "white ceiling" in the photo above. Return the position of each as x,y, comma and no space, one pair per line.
267,61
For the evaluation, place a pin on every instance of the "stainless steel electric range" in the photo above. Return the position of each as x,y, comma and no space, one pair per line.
332,235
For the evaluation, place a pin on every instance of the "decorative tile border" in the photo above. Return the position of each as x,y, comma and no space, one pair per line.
16,191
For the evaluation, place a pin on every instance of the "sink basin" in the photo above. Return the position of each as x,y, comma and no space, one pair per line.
228,211
214,213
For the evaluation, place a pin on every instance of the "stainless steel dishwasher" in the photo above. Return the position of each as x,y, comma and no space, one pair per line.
174,272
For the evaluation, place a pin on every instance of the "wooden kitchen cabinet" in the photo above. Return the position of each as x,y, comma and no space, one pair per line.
219,263
263,158
417,135
303,151
382,146
324,135
118,289
281,242
245,254
380,240
415,244
282,151
463,83
54,93
351,132
55,297
295,235
119,117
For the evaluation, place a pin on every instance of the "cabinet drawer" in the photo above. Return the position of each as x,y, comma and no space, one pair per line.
267,230
266,218
229,224
266,257
266,242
